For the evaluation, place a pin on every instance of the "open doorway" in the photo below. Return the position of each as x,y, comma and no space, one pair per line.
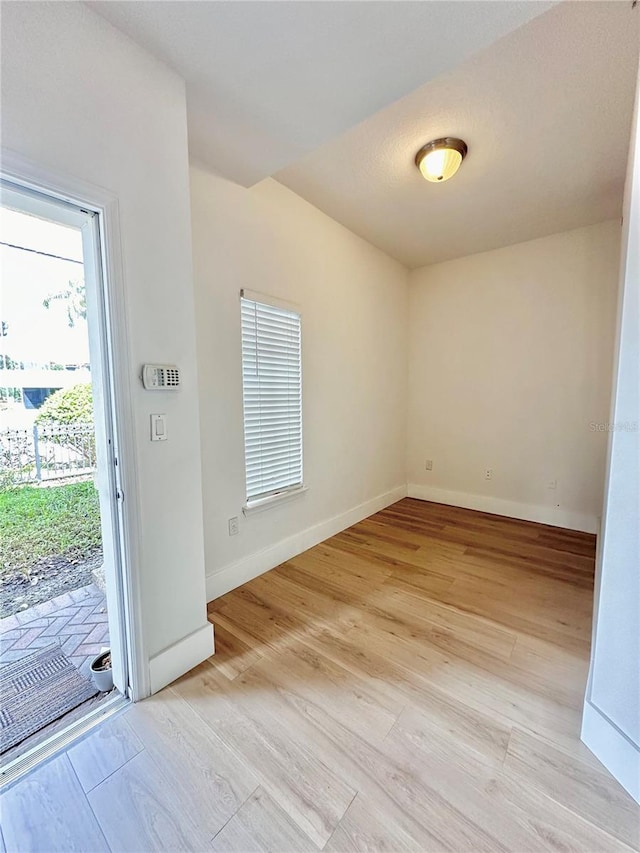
61,572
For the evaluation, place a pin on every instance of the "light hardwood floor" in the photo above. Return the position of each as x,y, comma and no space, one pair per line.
412,684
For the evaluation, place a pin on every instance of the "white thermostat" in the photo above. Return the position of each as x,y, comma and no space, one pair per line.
160,377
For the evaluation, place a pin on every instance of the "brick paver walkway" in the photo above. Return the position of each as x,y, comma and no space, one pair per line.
76,620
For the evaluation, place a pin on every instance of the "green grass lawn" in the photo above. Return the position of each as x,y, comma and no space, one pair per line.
42,522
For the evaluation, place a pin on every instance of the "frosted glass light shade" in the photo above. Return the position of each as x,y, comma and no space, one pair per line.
440,160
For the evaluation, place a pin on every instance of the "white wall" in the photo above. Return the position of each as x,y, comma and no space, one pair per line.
354,304
510,355
611,724
81,99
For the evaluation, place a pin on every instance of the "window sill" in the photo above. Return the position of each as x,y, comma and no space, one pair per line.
266,503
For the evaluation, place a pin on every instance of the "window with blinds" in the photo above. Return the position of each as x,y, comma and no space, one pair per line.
272,397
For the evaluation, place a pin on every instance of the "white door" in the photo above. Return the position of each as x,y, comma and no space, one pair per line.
108,473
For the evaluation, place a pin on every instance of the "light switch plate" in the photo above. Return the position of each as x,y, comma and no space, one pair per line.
158,427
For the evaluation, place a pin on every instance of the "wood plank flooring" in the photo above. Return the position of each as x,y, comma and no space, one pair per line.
414,683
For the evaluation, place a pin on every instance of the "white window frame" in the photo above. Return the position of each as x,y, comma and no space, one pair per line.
259,502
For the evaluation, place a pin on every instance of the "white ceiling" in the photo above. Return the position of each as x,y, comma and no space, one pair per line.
268,82
546,113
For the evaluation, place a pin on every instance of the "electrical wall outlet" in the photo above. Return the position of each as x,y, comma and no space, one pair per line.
234,526
488,473
428,465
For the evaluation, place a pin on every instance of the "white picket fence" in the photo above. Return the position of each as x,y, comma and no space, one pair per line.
47,453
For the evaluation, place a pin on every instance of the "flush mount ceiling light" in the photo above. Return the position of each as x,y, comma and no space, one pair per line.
440,159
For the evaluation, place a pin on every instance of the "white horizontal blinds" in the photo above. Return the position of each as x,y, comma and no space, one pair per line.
272,395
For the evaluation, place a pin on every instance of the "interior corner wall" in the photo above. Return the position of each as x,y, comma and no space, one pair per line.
82,100
353,300
611,718
510,359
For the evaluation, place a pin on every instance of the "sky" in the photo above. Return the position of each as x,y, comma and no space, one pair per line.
35,333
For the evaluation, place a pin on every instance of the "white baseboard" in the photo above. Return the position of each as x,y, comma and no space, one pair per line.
618,754
179,658
238,573
511,509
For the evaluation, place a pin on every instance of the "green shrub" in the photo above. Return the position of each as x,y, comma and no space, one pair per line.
69,406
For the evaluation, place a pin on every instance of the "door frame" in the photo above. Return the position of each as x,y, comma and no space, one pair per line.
102,219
